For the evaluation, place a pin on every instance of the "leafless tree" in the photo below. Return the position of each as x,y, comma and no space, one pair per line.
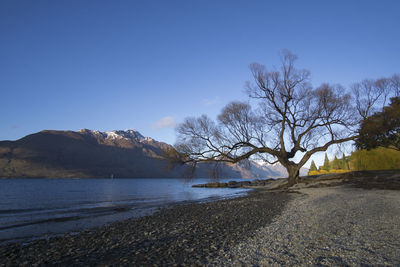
395,85
371,95
290,122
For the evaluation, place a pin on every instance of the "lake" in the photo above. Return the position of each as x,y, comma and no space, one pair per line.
33,208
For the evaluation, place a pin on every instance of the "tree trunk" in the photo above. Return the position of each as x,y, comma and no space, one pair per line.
293,175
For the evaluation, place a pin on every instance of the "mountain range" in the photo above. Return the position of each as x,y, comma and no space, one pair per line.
123,154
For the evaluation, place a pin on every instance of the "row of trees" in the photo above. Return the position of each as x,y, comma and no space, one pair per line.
380,158
378,144
337,165
285,120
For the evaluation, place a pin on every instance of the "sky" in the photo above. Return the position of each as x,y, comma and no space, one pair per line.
146,65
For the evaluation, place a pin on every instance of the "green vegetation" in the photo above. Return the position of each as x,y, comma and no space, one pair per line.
378,144
375,159
360,160
335,164
326,166
313,167
381,129
343,163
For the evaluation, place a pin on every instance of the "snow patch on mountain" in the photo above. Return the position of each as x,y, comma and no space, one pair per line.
132,135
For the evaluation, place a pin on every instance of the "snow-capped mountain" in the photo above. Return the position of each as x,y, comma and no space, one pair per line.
126,139
91,153
85,153
132,135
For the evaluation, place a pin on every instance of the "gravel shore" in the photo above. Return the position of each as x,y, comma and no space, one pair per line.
338,226
192,234
345,220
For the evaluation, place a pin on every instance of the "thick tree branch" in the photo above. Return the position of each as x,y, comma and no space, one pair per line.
291,117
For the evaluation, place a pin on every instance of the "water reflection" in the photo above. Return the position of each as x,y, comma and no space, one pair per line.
35,207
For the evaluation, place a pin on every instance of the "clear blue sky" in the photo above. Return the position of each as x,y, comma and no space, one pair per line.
146,65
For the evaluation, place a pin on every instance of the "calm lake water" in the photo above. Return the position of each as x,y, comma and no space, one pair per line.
32,208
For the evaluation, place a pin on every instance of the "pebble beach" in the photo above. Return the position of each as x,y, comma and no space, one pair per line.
333,222
191,234
327,227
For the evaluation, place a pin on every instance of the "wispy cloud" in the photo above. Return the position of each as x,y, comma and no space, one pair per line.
165,122
210,101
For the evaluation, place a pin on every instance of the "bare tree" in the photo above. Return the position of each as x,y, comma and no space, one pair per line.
291,121
395,85
371,95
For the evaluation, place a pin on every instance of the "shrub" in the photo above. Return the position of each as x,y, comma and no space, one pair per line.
375,159
338,171
314,173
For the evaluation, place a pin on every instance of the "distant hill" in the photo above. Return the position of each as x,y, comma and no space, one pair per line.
84,153
278,168
119,154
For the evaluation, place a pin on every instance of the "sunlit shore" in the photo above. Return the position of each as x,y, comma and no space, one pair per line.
347,219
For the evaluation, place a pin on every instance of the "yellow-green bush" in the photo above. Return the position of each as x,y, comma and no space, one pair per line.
338,171
326,172
375,159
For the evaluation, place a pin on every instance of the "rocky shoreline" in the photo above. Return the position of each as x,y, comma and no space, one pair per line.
246,184
341,225
191,234
340,220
